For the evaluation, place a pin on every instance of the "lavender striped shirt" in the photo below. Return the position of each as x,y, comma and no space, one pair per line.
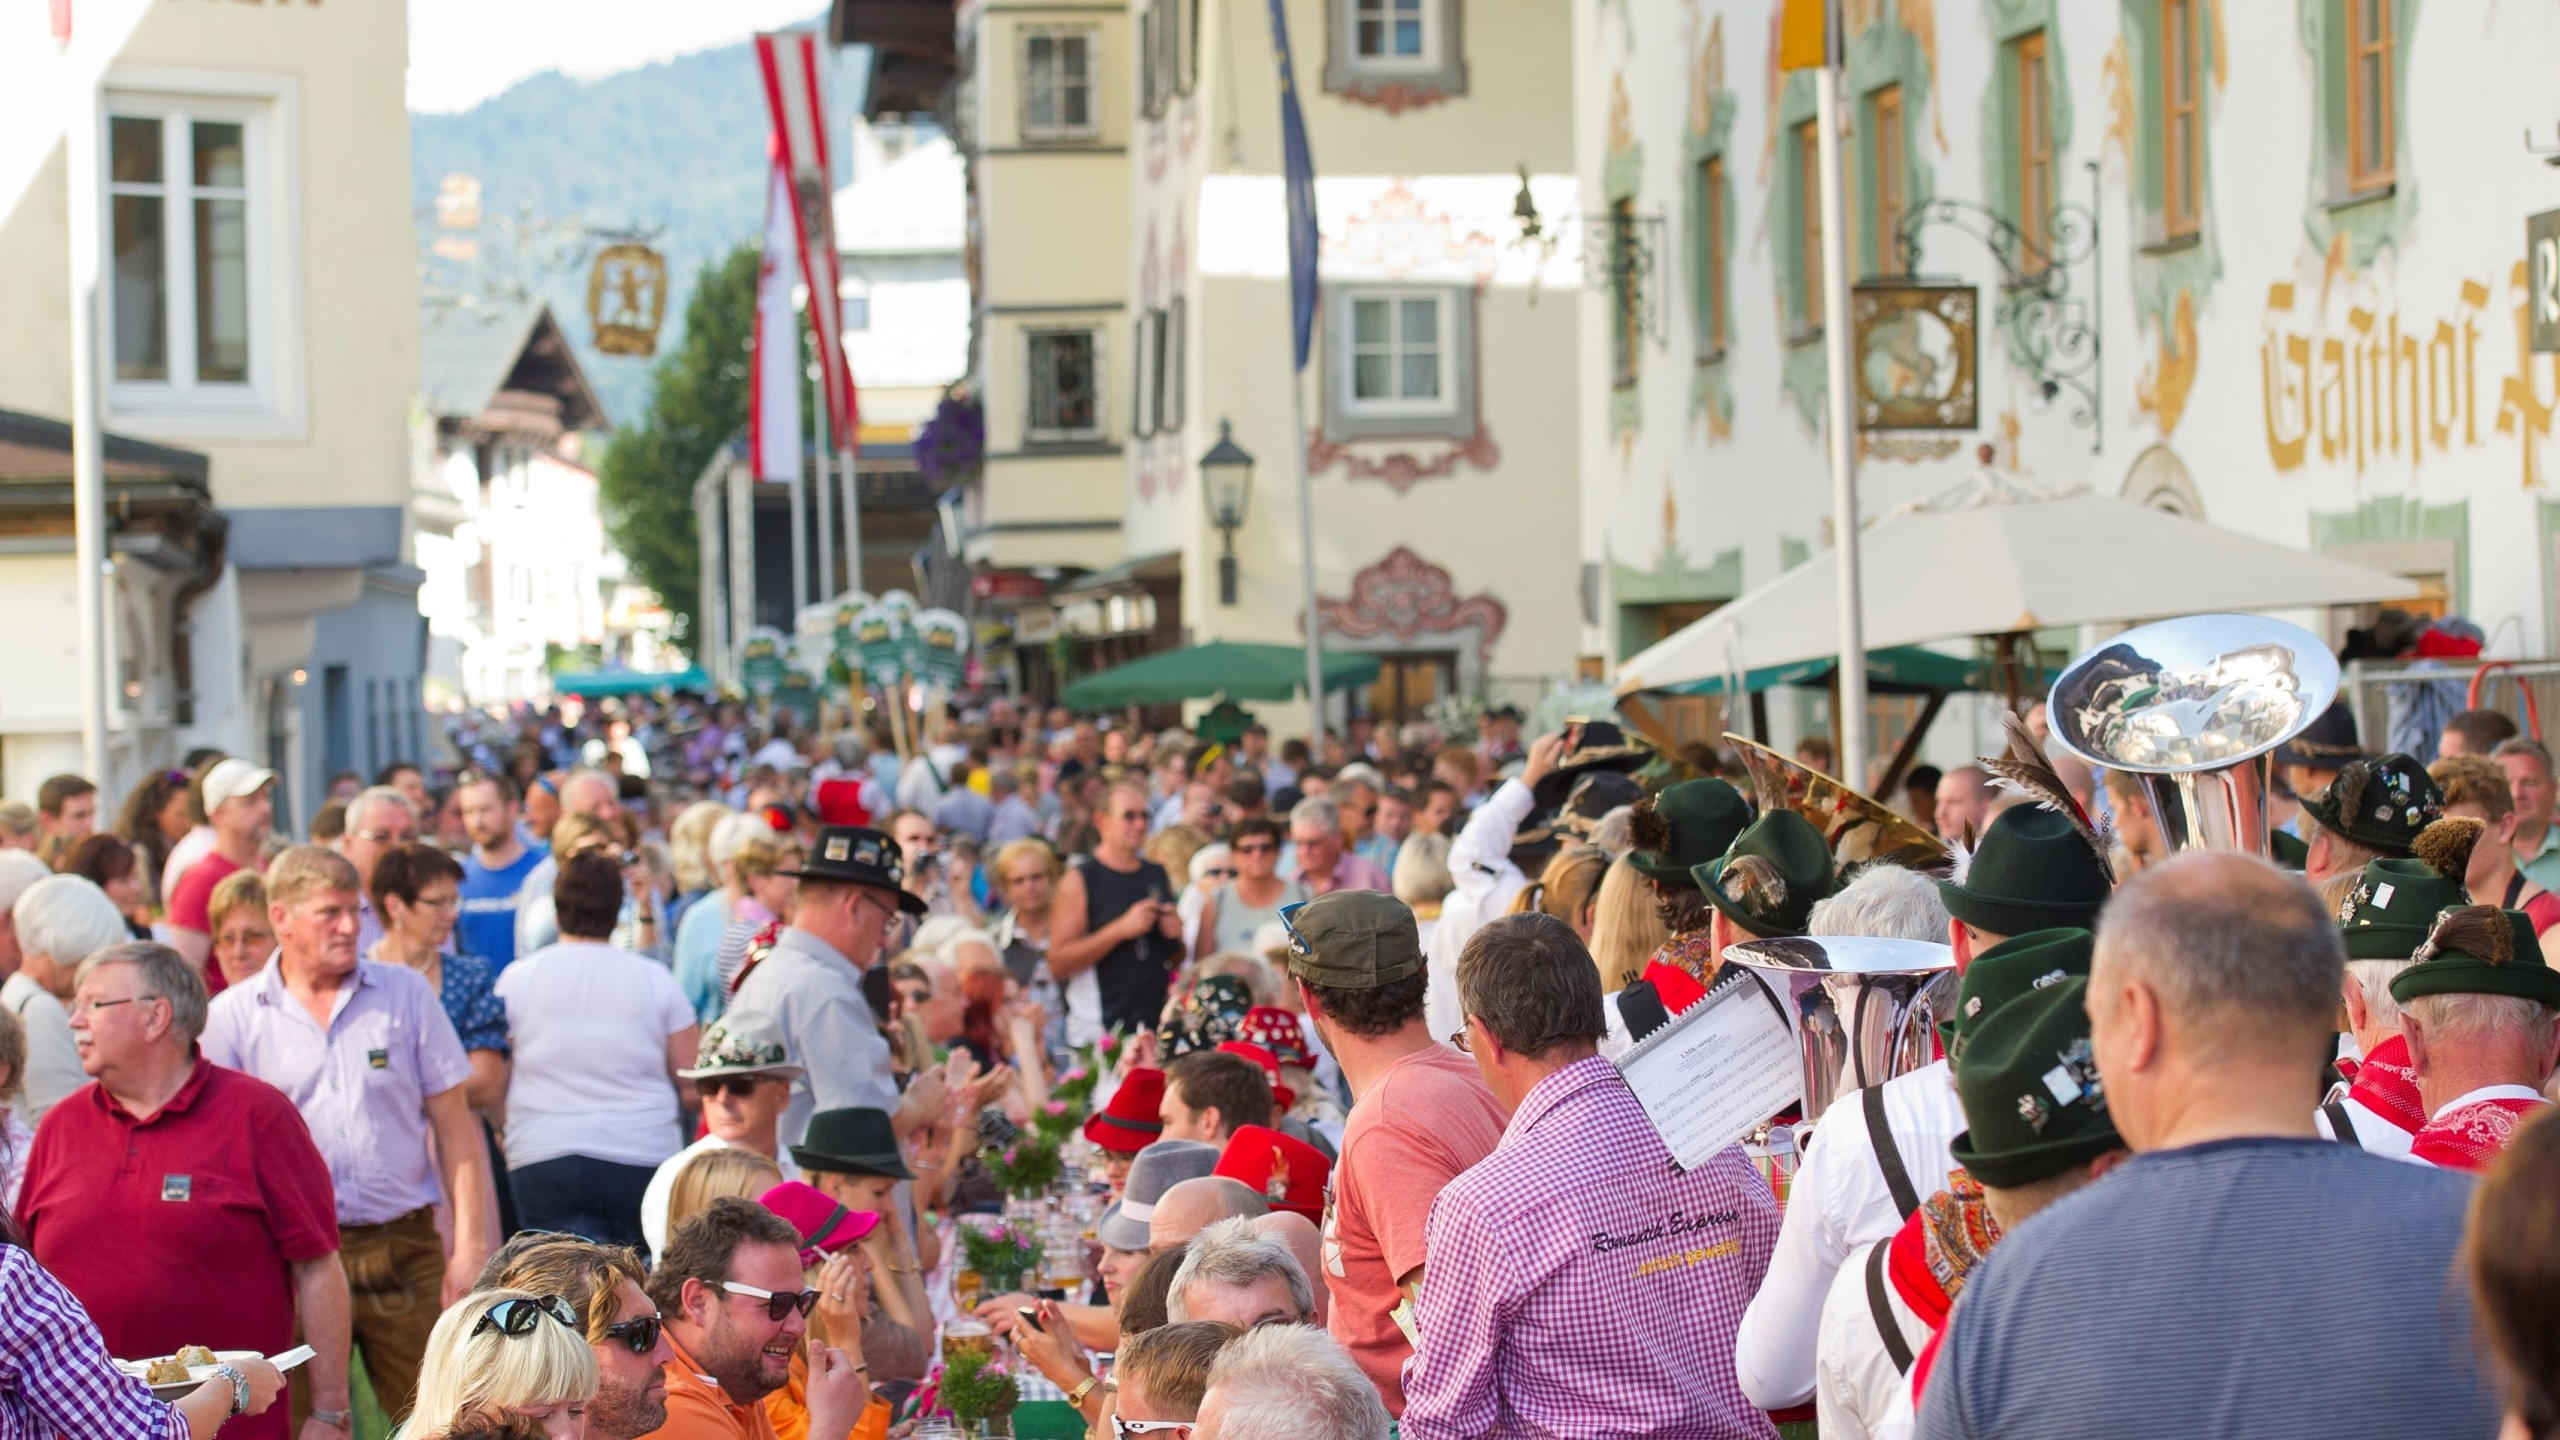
1577,1283
55,1377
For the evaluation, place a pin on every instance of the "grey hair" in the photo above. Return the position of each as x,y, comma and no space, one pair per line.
1234,1254
67,919
376,795
2239,953
2374,978
1293,1382
2472,1019
1884,901
165,973
2523,745
731,835
1319,811
1422,869
19,870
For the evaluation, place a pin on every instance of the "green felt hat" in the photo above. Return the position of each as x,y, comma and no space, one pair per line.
1353,940
1797,874
1686,826
2020,965
2381,803
2033,870
2394,904
2033,1104
2501,961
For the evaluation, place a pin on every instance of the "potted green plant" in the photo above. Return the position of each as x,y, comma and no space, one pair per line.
978,1395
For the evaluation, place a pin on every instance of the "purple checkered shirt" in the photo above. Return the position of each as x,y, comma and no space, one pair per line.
1577,1284
55,1377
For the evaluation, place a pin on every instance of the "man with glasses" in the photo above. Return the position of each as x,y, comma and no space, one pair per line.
602,1284
182,1202
239,804
1115,935
377,820
743,1072
730,1287
1324,863
807,990
1159,1375
364,1050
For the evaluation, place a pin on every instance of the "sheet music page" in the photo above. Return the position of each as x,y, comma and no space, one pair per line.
1714,1073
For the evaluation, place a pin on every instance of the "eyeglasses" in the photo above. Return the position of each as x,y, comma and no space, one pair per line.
1128,814
1218,873
1124,1428
713,1086
382,837
1260,848
640,1333
776,1303
1458,1038
83,1007
516,1318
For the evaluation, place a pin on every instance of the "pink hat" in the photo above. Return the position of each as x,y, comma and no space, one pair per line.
825,1226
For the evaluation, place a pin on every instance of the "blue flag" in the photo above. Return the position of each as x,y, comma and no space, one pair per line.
1300,174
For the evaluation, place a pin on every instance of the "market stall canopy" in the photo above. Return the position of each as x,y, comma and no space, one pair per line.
2000,561
1897,670
595,683
1204,672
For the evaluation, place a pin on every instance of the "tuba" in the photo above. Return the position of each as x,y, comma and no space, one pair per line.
2196,707
1859,830
1862,1007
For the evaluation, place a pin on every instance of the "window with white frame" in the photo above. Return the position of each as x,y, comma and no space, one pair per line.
1400,361
1057,85
185,238
1393,34
1065,390
1412,47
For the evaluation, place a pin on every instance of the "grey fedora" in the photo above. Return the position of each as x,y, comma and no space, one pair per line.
1158,1168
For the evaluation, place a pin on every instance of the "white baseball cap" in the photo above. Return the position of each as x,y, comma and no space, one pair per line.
232,779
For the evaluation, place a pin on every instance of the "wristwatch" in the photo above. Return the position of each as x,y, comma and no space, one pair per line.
1076,1396
336,1419
239,1387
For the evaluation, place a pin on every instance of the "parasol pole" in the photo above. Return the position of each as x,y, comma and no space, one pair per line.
1849,708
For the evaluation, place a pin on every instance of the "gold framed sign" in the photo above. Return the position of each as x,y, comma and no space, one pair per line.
1915,350
627,298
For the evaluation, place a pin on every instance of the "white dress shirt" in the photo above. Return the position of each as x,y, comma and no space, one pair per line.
1480,864
2377,1135
1855,1378
1838,1201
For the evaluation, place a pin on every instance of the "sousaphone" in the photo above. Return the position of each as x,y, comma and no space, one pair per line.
1858,828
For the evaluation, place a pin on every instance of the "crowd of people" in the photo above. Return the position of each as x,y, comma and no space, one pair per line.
640,1074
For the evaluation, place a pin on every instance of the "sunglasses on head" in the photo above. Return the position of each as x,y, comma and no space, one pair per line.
776,1304
640,1333
516,1318
1289,921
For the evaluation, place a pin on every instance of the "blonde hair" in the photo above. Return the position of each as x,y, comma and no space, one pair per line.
306,870
1626,926
474,1374
765,855
13,1057
714,1173
572,828
1422,869
239,890
1569,883
689,840
1172,847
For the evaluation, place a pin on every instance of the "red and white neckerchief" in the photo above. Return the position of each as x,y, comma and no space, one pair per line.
2469,1133
2387,1084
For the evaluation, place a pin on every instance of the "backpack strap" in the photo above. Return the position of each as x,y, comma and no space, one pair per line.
2339,1125
1888,1155
1888,1326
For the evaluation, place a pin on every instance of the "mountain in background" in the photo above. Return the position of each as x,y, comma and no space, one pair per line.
674,150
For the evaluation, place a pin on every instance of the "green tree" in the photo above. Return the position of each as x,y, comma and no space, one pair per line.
697,403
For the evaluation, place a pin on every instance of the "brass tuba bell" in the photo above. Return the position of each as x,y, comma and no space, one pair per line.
1862,1007
1858,829
2196,707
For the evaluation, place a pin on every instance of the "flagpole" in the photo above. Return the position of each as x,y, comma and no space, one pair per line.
850,494
1298,189
1849,714
1307,558
826,588
88,472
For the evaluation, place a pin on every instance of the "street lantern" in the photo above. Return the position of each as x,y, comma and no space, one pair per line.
1226,483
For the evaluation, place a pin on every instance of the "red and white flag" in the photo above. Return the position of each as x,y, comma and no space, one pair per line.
773,384
790,63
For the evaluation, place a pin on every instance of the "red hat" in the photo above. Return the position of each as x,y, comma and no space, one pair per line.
1283,1169
824,1225
1134,1119
839,802
1281,1033
1282,1097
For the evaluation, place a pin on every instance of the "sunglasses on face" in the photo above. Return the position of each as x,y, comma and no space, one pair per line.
516,1318
1122,1429
776,1304
714,1086
1128,814
640,1333
1257,849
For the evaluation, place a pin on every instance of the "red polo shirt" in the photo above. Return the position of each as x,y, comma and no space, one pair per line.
182,1229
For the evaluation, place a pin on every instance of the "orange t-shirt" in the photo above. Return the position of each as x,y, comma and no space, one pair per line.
698,1409
787,1410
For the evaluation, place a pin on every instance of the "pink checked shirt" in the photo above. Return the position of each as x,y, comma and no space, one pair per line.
1577,1284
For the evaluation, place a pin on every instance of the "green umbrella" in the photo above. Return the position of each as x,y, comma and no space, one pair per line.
1202,672
629,682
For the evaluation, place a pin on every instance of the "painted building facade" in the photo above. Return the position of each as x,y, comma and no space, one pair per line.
2310,283
258,308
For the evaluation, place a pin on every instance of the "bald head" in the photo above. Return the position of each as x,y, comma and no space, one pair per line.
1194,1205
1964,802
2237,951
591,792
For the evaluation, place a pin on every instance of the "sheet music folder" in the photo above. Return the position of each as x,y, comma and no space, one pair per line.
1717,1070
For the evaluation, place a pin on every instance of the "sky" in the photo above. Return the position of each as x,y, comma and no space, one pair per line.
461,52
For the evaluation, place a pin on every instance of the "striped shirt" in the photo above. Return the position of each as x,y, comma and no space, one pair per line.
55,1377
2200,1291
1580,1284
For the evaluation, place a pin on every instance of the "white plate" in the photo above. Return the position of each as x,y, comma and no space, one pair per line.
196,1374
